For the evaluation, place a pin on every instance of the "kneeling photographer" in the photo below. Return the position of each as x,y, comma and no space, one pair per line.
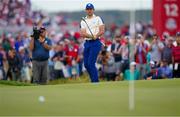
40,46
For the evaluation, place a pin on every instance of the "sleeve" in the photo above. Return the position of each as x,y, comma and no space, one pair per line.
161,45
170,74
138,75
49,42
100,21
125,75
55,55
82,25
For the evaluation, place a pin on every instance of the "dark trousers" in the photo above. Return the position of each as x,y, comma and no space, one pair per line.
58,74
111,76
13,74
40,71
91,51
176,73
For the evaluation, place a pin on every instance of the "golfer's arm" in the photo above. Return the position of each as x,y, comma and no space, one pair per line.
101,31
84,34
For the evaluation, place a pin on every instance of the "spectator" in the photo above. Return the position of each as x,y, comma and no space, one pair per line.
164,71
156,48
140,55
72,58
167,51
58,59
124,51
19,42
117,56
110,68
132,73
108,65
152,74
25,65
176,57
14,63
2,60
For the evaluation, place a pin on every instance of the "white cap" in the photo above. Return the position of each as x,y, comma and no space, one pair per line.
152,62
67,40
127,37
139,36
133,63
21,48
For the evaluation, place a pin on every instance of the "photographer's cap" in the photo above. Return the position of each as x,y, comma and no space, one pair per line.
89,6
42,28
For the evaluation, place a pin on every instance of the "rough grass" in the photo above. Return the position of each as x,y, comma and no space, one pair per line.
14,83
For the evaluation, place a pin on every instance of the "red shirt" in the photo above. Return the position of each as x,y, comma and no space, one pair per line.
176,53
71,53
140,56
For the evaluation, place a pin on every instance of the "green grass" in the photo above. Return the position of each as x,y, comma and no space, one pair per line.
156,97
14,83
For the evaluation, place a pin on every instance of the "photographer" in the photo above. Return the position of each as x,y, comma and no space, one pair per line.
40,46
15,65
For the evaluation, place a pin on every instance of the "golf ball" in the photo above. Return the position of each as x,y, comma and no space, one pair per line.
41,98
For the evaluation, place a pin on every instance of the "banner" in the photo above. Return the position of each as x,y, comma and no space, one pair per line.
166,16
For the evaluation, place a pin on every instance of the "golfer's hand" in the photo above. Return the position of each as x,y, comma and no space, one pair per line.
94,37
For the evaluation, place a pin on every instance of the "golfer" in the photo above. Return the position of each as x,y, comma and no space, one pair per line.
92,28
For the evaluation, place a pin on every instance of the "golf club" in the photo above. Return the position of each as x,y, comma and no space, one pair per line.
83,19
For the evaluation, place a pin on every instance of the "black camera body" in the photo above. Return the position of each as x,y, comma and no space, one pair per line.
36,33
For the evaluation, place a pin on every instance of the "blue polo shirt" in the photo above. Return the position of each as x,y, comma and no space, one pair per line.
40,53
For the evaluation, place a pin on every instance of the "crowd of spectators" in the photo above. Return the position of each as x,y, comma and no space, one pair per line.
147,55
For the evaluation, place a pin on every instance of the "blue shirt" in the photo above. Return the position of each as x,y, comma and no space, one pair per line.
40,53
18,44
165,71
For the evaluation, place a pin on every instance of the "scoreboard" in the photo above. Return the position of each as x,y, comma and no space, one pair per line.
166,16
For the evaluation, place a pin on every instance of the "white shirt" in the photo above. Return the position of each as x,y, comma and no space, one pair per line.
93,24
155,53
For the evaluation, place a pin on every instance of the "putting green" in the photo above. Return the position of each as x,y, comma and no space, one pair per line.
156,97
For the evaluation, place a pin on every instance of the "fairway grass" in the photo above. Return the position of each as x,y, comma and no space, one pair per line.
155,97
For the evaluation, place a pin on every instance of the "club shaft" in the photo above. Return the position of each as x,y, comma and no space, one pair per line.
88,27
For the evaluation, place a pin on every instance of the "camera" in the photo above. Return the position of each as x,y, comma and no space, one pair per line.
36,33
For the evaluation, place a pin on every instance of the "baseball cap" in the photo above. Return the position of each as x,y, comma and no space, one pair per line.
89,6
139,36
133,63
21,48
178,34
42,28
127,37
152,62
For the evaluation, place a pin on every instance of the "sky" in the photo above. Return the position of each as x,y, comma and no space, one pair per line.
79,5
